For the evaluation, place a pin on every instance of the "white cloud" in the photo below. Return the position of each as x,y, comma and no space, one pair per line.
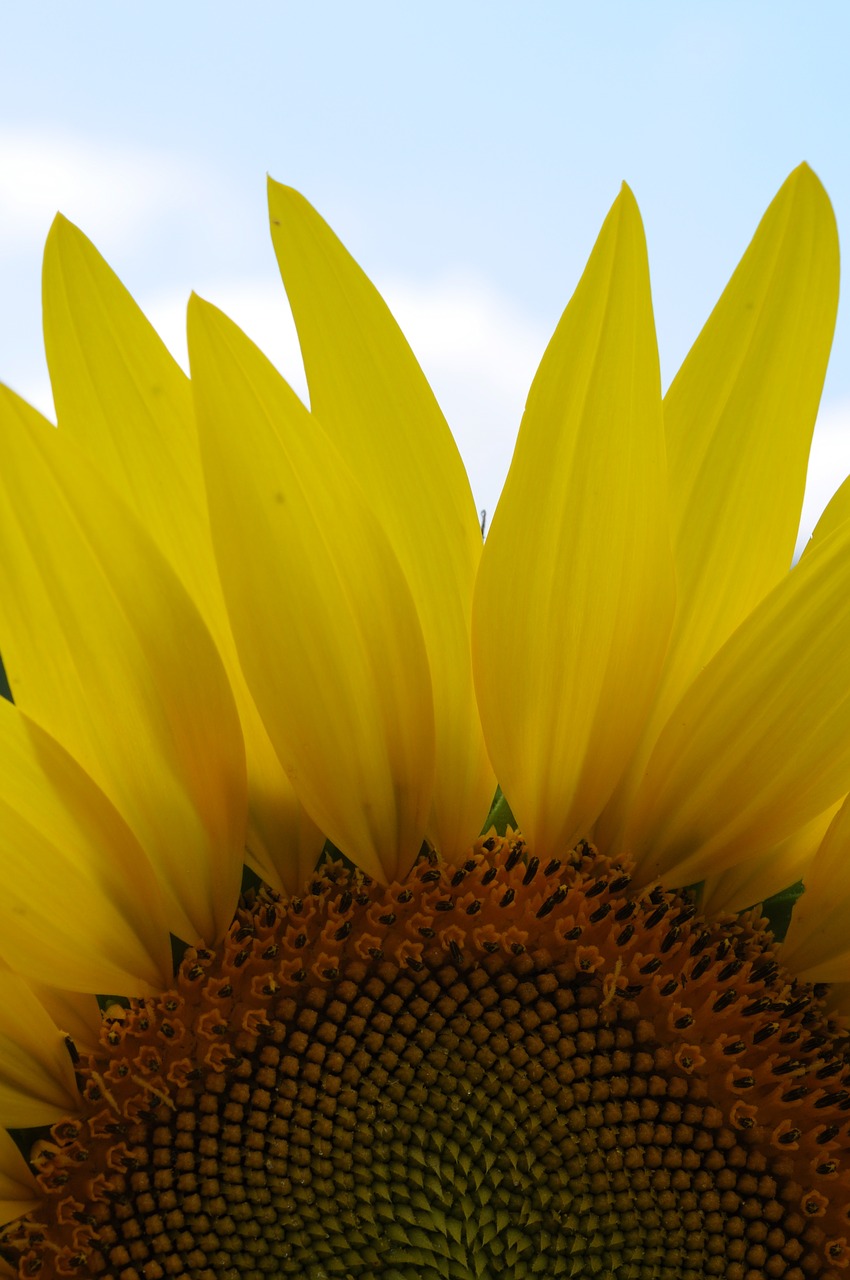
38,393
257,306
112,192
478,353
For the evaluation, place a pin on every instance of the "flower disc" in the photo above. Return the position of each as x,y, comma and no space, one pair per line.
499,1068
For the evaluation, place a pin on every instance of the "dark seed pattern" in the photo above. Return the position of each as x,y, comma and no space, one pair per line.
479,1074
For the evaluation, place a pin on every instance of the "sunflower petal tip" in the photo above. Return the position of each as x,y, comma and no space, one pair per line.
198,309
625,211
281,195
804,179
626,197
194,311
59,233
61,224
804,171
203,316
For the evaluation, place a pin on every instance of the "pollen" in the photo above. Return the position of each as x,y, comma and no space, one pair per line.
512,1066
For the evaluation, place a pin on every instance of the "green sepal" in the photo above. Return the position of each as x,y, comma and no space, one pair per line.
500,816
778,909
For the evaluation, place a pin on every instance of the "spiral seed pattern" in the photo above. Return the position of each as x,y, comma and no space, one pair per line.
509,1067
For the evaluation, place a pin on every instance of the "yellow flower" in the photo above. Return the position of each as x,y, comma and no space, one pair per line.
237,630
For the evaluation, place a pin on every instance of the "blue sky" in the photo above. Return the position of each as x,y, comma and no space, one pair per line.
466,153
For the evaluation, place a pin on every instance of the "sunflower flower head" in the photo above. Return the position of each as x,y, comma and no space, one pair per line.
284,991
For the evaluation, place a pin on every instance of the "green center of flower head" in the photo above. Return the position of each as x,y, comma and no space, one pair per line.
501,1068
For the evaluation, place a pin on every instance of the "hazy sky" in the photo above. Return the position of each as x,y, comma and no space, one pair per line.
465,152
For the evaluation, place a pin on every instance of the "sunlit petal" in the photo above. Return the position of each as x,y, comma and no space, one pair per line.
836,511
760,743
37,1083
104,649
575,593
326,627
372,399
738,420
126,401
78,897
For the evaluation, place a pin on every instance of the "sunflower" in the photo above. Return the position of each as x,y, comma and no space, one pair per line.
284,991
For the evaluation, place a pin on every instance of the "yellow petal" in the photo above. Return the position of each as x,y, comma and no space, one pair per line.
836,511
37,1084
126,401
756,879
575,591
760,743
324,620
371,397
78,897
104,649
738,420
76,1014
128,404
19,1191
817,944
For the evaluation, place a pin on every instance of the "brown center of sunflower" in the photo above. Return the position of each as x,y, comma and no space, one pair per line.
497,1069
